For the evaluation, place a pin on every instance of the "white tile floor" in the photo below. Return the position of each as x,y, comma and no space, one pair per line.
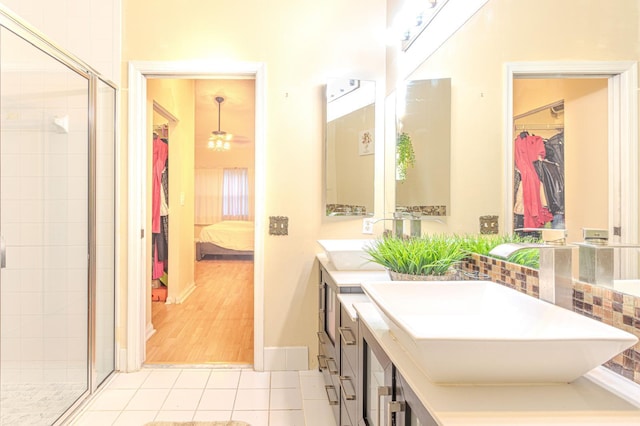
277,398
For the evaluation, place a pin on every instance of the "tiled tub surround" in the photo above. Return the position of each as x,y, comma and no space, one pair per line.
603,304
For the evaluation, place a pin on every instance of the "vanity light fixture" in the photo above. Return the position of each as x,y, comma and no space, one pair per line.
219,140
415,18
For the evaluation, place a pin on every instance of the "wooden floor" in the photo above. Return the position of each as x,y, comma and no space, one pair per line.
214,324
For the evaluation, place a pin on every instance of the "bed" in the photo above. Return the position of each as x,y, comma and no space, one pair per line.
226,238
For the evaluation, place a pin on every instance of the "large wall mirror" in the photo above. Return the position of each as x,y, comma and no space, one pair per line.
423,133
349,164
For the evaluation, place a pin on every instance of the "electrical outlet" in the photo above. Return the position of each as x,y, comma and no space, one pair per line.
367,225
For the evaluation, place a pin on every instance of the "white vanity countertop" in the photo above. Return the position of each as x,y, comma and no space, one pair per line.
350,278
600,397
348,300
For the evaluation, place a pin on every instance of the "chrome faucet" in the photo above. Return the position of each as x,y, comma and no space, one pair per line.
555,280
596,262
415,227
398,222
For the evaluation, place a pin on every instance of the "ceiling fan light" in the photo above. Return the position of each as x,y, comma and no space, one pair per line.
219,140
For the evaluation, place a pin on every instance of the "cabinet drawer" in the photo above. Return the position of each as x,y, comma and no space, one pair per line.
345,418
349,389
348,398
349,338
326,346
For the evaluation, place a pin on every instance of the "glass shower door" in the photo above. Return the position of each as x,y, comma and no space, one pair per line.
44,224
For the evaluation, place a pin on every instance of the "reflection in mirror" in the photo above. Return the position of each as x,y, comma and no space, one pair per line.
557,183
423,133
349,166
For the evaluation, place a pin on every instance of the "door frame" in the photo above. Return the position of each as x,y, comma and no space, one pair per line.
622,140
134,355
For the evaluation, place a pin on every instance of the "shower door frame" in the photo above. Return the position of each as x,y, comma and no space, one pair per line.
29,34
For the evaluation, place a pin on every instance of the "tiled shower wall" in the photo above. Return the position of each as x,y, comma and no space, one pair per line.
89,29
603,304
44,221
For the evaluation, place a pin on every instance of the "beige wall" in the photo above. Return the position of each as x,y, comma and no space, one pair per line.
177,97
511,31
302,45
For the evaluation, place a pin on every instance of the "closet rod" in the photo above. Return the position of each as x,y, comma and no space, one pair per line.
538,127
542,108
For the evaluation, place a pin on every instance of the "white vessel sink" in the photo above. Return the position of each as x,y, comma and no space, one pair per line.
349,255
480,332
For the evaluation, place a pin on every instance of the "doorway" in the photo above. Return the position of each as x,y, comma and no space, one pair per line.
620,153
202,307
139,72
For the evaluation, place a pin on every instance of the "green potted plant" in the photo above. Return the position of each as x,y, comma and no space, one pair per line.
430,257
405,156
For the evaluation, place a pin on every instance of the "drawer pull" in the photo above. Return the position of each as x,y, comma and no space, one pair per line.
382,391
332,362
349,394
322,362
348,340
393,407
330,389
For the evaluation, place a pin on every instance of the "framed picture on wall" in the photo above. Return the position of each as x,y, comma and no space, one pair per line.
365,142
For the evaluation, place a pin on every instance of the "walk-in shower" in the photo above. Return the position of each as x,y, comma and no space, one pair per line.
57,225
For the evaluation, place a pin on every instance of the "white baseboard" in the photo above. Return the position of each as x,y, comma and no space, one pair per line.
150,331
286,358
183,296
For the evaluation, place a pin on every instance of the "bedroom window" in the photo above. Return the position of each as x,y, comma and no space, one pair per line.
235,194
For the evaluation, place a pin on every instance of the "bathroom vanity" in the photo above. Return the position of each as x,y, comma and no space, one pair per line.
372,379
338,335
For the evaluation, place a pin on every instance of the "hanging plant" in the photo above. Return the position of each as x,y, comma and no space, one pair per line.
405,157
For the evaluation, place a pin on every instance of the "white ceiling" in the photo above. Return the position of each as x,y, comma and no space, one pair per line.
237,111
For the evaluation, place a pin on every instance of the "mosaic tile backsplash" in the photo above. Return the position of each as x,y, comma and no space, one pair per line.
611,307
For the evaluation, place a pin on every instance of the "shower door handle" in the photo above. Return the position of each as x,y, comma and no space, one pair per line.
3,253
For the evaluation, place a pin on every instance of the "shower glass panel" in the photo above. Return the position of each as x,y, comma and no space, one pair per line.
105,231
44,224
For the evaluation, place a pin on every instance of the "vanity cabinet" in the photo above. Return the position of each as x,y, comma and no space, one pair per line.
328,320
386,398
338,338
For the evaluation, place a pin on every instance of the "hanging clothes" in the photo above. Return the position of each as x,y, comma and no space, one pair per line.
554,148
552,180
159,241
160,155
527,149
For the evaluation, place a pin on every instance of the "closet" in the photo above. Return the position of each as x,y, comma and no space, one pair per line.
160,213
560,138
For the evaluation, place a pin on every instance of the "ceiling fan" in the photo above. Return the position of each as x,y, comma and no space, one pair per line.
219,140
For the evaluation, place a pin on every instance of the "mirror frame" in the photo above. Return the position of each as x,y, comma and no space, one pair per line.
350,109
434,154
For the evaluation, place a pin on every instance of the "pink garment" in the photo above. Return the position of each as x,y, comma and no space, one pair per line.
527,150
160,154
